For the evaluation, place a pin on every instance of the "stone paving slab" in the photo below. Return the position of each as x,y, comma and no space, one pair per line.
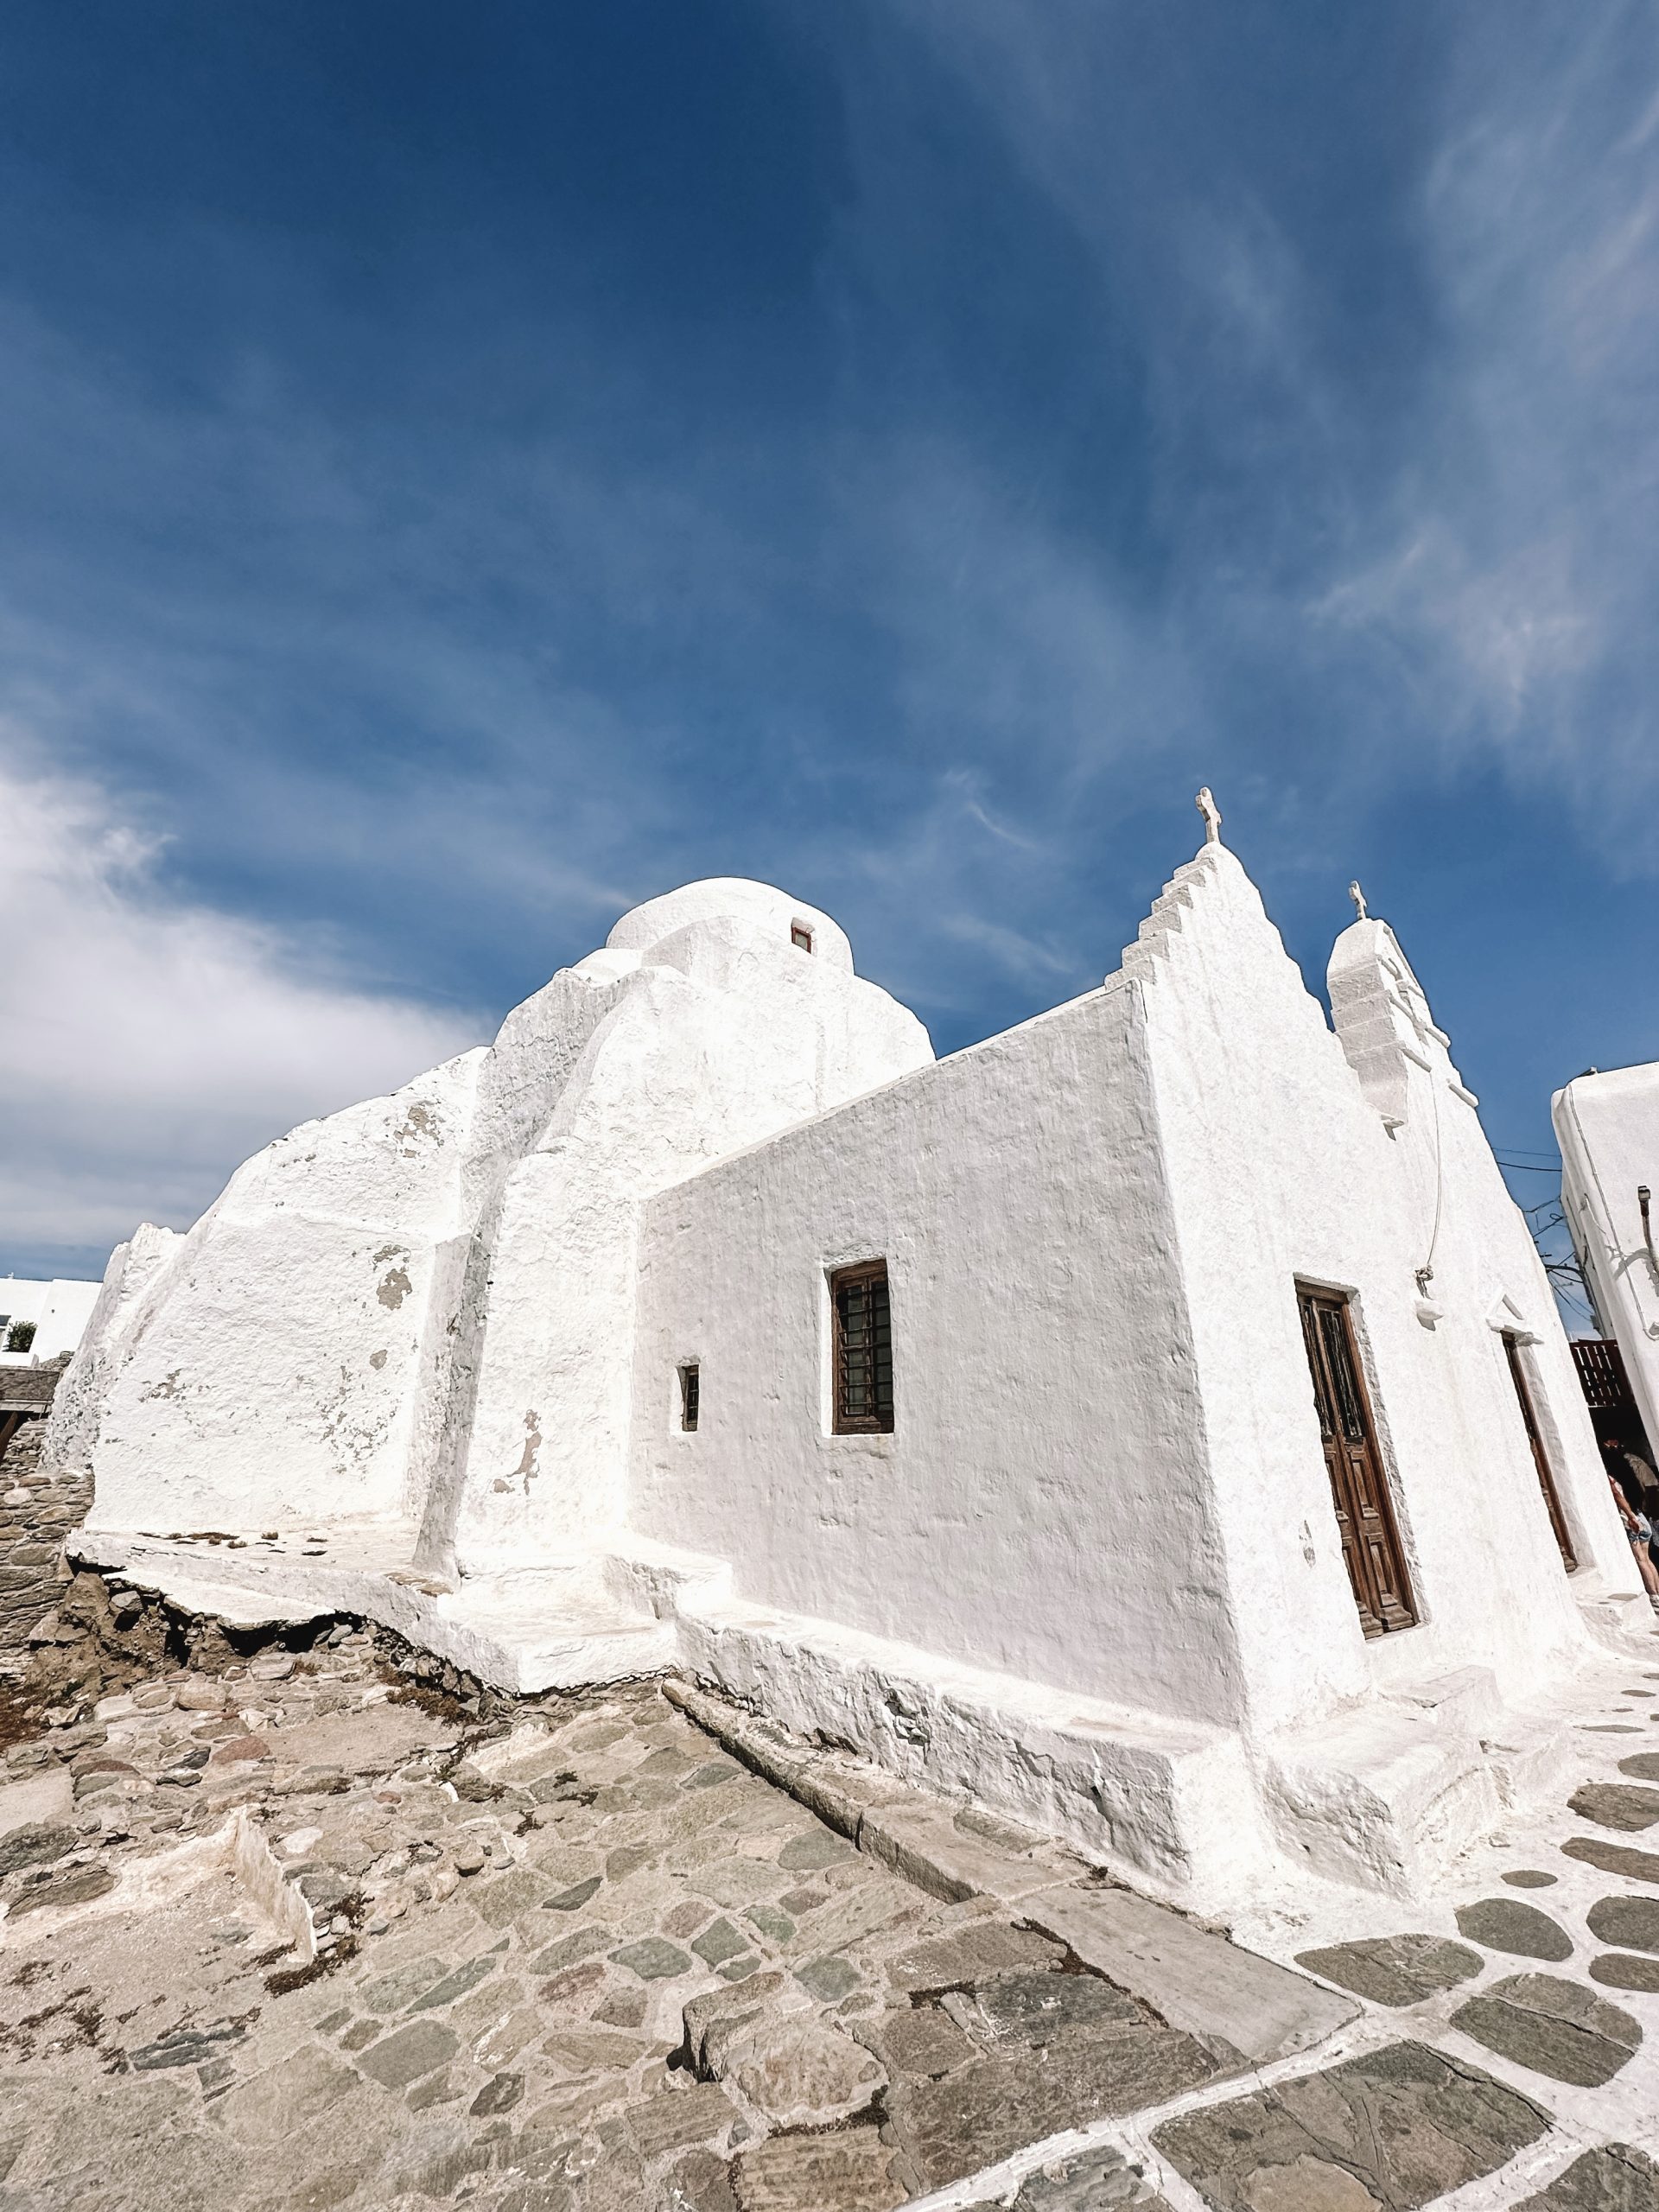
1614,1858
1093,2181
1615,2178
1395,2128
1631,1922
1394,1970
1616,1805
1555,2026
1506,1925
1198,1980
1005,2099
1626,1970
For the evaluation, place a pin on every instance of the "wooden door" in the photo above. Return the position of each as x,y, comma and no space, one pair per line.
1371,1542
1540,1456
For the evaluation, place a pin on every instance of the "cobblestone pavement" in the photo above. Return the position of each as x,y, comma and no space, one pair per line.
283,1930
1537,1976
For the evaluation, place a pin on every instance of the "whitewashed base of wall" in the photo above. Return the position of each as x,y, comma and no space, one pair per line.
1383,1799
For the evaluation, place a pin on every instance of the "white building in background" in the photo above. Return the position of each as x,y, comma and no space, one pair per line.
56,1311
1607,1126
1153,1421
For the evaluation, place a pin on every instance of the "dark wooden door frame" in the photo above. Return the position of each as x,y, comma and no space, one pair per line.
1539,1456
1371,1548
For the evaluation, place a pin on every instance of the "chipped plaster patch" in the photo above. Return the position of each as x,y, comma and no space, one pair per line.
527,1466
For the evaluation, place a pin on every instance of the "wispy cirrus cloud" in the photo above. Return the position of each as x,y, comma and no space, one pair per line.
1516,560
903,472
1434,502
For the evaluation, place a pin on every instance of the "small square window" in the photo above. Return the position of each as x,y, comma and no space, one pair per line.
800,936
690,1394
863,1350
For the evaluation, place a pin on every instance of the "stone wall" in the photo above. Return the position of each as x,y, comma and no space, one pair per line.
37,1509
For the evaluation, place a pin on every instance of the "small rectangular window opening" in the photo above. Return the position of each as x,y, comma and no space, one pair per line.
800,936
690,1394
863,1350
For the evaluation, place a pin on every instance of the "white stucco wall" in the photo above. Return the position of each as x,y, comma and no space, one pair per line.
419,1312
266,1371
1282,1167
1607,1126
60,1310
725,1034
1039,1508
1105,1478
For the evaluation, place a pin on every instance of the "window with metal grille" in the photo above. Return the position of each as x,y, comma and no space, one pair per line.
690,1393
800,936
863,1348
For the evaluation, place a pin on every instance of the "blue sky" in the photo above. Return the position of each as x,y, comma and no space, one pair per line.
465,471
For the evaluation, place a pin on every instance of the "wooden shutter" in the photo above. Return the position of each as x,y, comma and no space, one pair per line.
1540,1456
1601,1372
863,1348
1371,1549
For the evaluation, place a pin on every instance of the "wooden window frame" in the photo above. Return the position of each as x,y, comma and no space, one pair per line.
1541,1467
1386,1603
691,1375
800,936
843,1421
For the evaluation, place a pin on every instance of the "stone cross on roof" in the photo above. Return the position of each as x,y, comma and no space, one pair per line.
1358,898
1206,805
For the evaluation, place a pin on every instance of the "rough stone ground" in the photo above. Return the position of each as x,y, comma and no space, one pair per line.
36,1511
581,1959
305,1928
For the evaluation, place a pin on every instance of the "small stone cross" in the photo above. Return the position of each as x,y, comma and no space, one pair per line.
1206,805
1358,898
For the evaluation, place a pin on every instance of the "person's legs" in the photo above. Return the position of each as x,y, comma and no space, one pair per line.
1646,1569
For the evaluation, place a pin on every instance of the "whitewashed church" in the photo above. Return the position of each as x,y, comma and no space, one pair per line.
1153,1421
